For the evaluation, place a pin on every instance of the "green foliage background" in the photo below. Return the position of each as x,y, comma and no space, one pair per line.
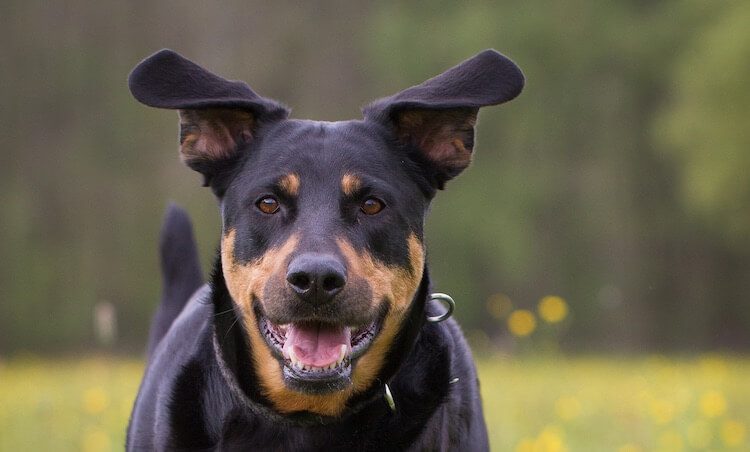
618,180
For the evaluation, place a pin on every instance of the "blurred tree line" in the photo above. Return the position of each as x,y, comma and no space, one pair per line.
618,180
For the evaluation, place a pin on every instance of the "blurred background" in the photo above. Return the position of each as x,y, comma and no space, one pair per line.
599,244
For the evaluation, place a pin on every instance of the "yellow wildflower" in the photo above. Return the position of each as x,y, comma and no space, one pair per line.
525,445
553,309
550,440
732,433
521,323
713,404
95,400
662,411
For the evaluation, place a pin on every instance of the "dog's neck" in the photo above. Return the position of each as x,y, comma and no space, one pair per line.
233,355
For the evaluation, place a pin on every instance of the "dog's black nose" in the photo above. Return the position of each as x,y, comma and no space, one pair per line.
316,277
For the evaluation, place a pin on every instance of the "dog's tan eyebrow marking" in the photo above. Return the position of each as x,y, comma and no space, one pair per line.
289,183
350,184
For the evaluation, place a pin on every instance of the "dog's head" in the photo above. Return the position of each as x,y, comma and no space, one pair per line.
322,246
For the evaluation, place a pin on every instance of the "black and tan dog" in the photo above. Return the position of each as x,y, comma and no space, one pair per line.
318,301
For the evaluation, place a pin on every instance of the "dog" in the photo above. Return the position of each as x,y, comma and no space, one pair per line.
317,329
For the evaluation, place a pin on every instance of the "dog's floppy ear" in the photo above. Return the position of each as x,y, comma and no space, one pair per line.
217,116
437,117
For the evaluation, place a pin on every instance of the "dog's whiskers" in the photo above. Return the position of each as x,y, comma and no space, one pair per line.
223,312
230,327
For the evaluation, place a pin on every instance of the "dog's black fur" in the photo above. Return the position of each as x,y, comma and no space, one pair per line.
345,202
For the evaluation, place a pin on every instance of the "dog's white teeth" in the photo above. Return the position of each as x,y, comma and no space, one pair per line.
310,368
295,362
342,354
298,364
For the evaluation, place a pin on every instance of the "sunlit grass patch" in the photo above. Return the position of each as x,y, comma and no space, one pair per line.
531,404
73,404
629,404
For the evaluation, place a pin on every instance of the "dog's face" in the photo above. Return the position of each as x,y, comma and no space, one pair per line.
322,252
322,245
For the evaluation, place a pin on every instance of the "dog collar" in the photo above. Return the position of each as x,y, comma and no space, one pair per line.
387,395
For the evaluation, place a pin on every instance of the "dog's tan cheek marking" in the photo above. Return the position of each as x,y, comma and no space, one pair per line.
350,184
247,280
290,184
395,284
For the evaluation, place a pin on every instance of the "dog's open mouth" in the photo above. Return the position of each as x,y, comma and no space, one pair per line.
317,356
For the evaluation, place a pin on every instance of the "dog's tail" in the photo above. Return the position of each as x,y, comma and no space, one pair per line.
180,268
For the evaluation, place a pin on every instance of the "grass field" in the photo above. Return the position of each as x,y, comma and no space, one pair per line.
555,404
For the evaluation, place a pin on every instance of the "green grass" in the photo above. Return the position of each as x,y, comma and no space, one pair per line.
62,405
555,404
595,404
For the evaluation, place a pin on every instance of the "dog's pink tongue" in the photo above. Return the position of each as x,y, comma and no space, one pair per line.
316,344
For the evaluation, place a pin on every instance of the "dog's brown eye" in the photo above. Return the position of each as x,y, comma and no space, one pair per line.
371,206
268,205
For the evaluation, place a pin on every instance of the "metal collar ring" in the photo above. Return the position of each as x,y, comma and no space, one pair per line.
448,301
